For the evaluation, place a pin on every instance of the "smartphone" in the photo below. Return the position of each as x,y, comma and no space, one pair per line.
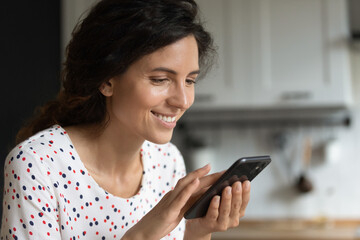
246,168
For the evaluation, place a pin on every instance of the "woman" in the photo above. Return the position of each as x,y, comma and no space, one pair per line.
96,163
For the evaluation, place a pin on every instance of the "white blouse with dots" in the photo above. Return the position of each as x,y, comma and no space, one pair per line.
49,194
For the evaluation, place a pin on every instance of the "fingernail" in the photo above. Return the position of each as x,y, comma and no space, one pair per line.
228,191
238,187
217,199
206,166
246,185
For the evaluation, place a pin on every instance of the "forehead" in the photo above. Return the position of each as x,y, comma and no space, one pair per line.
182,54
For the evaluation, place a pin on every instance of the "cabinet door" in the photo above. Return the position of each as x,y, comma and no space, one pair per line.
300,55
227,84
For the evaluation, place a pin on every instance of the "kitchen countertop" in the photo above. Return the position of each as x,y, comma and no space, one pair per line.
293,229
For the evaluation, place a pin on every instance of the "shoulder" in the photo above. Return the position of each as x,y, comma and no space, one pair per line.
39,151
49,138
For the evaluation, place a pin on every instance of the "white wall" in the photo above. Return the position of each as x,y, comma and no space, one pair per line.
72,11
334,169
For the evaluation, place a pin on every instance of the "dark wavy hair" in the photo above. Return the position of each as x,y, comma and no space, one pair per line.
104,44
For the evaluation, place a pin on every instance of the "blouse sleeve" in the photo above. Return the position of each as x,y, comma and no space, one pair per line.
29,207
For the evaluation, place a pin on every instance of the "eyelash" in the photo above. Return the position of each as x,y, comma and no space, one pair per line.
161,80
190,81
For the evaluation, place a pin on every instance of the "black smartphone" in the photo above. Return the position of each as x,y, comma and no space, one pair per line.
246,168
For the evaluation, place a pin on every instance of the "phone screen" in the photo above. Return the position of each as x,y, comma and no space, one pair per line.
246,168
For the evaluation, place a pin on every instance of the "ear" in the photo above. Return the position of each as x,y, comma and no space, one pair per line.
106,88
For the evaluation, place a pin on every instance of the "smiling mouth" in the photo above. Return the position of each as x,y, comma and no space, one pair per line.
164,118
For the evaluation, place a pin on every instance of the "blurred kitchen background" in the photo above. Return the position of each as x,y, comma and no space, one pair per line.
286,83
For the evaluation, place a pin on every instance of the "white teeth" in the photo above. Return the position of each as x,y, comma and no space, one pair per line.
165,118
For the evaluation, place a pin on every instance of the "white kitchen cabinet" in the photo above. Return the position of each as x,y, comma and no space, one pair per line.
224,85
276,54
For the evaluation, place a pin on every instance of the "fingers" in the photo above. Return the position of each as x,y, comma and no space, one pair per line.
213,210
225,209
192,176
209,180
227,213
245,197
195,196
187,186
183,196
236,204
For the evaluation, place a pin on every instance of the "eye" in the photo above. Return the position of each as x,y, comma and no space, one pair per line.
159,80
190,81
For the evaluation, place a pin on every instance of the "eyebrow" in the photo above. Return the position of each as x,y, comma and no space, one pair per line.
164,69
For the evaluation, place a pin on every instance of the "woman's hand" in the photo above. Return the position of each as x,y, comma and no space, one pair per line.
167,214
221,215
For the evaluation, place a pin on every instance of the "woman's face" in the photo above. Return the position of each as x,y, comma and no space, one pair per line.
151,96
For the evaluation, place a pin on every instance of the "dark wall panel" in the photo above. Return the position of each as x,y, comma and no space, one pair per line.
29,63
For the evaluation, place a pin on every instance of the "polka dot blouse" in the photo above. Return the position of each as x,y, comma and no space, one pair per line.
49,194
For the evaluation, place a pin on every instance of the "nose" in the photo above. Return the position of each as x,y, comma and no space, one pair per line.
181,96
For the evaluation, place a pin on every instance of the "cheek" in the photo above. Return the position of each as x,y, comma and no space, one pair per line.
119,101
157,91
155,95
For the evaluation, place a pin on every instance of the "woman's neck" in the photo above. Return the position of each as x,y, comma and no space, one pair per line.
111,157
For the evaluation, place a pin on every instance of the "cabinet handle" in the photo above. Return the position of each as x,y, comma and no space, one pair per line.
299,95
